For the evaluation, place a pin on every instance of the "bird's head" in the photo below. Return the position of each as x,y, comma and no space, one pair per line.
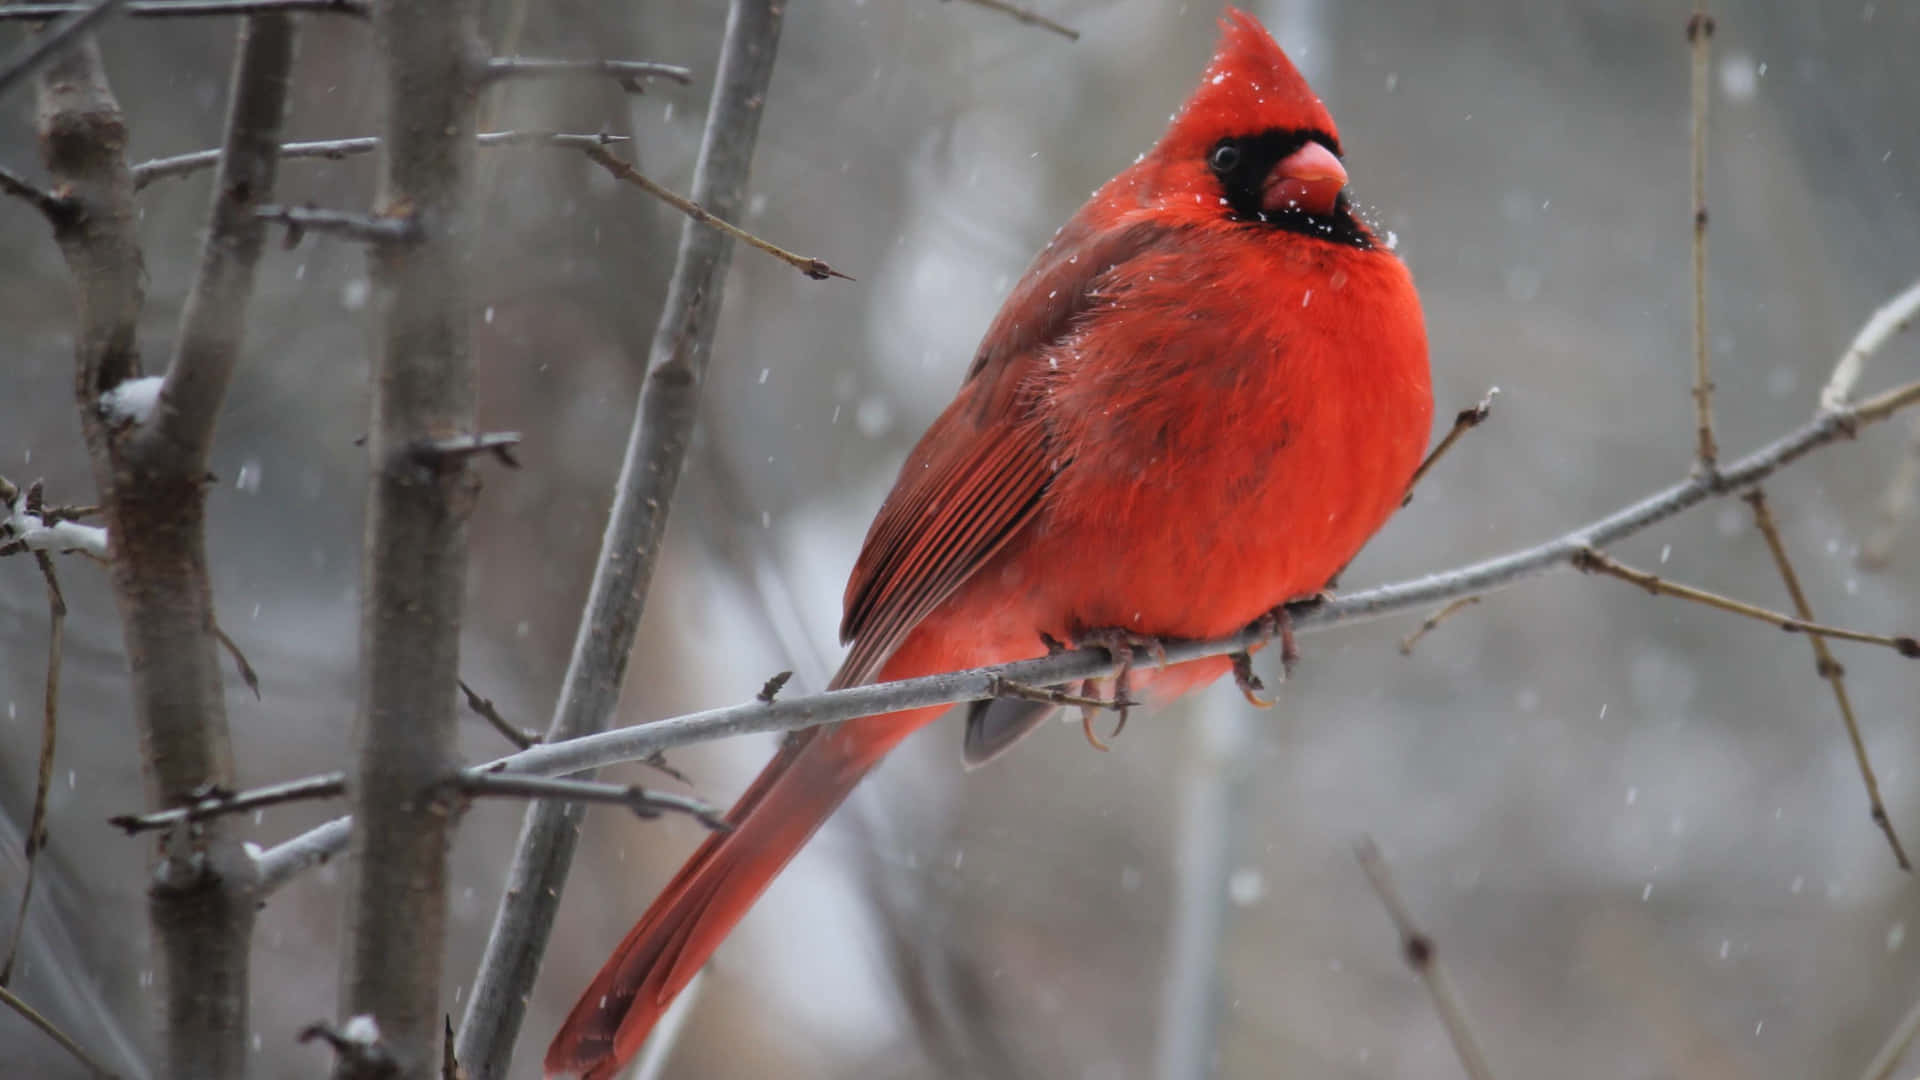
1253,143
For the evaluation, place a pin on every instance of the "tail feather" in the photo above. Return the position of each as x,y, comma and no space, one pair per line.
803,784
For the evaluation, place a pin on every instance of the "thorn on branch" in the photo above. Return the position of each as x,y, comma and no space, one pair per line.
366,228
484,708
358,1045
630,75
445,453
813,268
1027,16
642,802
771,688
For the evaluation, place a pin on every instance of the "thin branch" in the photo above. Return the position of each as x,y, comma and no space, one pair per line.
340,149
1594,561
12,1001
1699,39
56,210
161,9
1463,421
1428,624
325,786
414,552
366,228
484,708
1829,669
643,803
631,75
247,674
44,46
311,848
36,839
1895,1047
655,457
1027,16
443,453
1887,320
636,742
813,268
1424,960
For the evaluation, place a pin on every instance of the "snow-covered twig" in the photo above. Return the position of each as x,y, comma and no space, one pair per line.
1887,320
340,149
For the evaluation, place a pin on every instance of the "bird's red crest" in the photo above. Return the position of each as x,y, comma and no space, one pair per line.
1249,86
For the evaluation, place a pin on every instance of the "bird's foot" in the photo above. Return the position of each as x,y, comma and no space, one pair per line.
1120,644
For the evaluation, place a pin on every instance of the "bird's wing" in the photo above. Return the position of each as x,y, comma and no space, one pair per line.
977,475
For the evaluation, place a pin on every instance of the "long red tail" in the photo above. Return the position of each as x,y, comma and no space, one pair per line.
799,789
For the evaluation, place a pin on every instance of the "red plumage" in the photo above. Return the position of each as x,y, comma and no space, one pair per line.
1205,395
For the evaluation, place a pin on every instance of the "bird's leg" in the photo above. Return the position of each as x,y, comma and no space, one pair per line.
1275,623
1120,644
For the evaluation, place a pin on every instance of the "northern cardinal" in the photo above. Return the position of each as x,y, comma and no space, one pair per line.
1208,391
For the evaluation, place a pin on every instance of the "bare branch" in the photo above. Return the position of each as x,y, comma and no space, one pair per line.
311,848
631,75
340,149
1593,561
442,453
1887,320
414,555
24,529
813,268
247,674
56,210
639,741
1421,956
483,707
655,456
217,803
36,838
213,321
1463,421
366,228
643,803
1430,622
161,9
1699,37
1829,669
12,1001
44,46
1027,16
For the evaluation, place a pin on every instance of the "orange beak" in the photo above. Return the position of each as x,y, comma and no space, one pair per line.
1308,179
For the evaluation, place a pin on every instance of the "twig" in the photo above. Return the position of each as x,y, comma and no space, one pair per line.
1593,561
813,268
484,708
24,530
55,209
1829,669
1049,695
1699,38
32,1016
1887,320
449,1064
1427,625
771,688
44,46
1897,504
340,149
1421,956
643,803
1463,421
559,757
247,674
1028,16
1895,1047
162,9
216,804
213,320
655,457
631,75
36,838
442,453
358,1045
311,848
414,555
366,228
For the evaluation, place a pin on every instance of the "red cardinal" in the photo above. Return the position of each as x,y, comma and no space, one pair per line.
1206,394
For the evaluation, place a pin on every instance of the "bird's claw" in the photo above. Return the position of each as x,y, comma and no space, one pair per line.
1120,644
1249,683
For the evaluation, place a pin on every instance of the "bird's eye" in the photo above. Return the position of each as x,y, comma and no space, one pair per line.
1225,158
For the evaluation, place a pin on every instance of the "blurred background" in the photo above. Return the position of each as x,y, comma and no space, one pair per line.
1634,826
